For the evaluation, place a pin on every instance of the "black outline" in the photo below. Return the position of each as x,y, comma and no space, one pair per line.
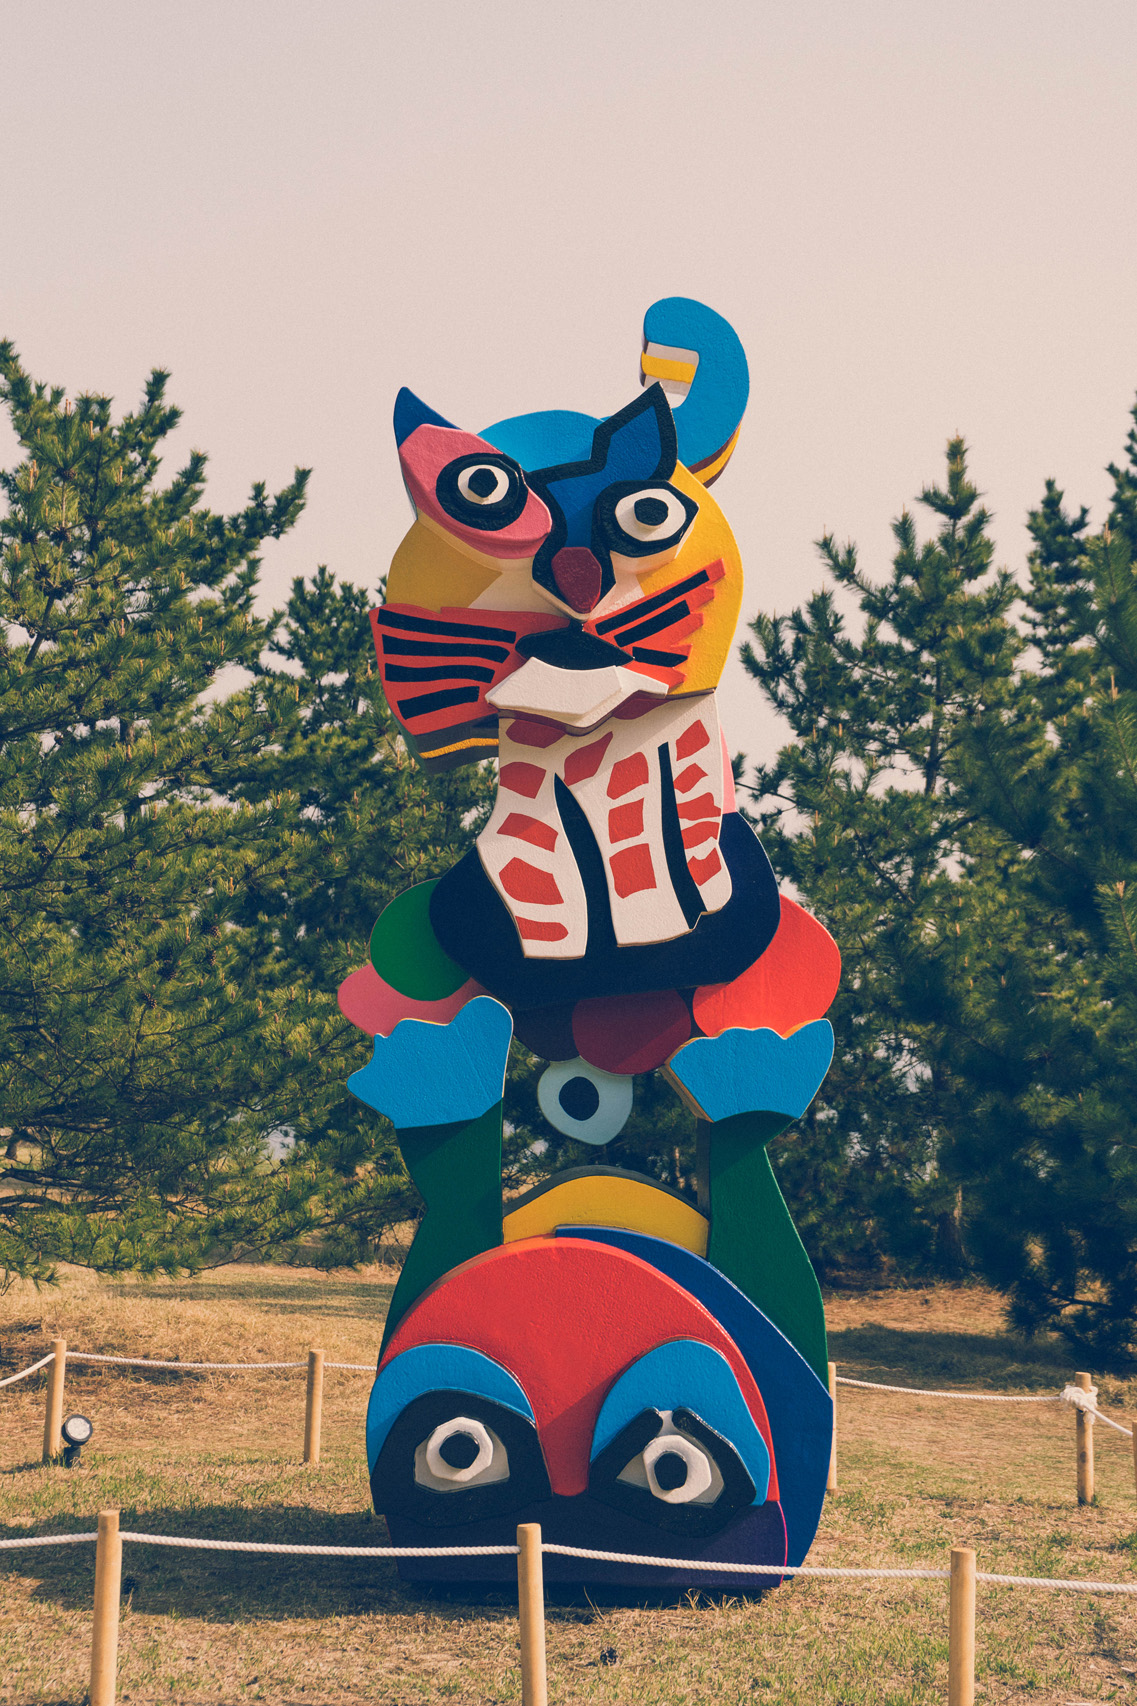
395,1490
485,518
693,1520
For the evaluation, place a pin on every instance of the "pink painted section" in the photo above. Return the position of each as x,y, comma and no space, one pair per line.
376,1008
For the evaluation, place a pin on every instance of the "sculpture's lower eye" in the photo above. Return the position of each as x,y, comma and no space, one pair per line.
461,1453
677,1471
584,1102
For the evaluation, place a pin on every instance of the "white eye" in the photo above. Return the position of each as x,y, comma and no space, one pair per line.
655,514
584,1102
675,1469
461,1453
482,483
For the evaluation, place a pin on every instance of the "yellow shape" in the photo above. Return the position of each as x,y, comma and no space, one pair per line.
709,540
429,571
606,1199
710,470
655,367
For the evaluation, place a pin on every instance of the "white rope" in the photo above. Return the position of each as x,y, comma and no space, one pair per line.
150,1362
741,1569
698,1564
24,1372
322,1551
47,1540
974,1397
1081,1398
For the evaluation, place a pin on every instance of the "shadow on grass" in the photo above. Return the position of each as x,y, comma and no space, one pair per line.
231,1587
993,1362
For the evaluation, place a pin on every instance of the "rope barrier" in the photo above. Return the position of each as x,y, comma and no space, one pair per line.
10,1379
1075,1395
196,1543
151,1362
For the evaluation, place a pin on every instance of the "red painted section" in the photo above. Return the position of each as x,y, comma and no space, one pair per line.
540,930
691,740
372,1004
522,778
534,734
703,805
628,773
632,870
626,821
686,779
700,832
530,829
702,870
630,1033
792,983
566,1317
526,883
586,760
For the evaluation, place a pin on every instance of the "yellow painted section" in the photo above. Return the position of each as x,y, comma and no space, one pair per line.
655,367
601,1200
711,470
428,570
710,538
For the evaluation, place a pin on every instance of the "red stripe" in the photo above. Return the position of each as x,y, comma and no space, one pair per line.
629,773
522,778
538,930
702,870
632,870
525,882
626,821
530,829
691,740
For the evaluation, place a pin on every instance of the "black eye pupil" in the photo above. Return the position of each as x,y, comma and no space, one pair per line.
649,512
459,1450
482,482
670,1471
579,1098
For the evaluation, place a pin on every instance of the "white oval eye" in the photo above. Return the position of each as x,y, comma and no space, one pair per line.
482,483
678,1472
653,514
459,1451
584,1102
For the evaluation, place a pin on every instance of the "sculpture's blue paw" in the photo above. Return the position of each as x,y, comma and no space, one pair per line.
424,1074
743,1072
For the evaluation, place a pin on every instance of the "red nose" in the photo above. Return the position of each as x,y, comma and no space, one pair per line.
578,575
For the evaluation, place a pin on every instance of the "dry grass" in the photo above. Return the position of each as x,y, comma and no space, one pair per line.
217,1455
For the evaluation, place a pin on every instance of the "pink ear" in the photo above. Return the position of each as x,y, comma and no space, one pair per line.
376,1008
430,449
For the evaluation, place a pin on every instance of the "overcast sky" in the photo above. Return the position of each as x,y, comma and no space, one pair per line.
918,216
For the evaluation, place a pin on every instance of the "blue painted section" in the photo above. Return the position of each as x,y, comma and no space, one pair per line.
742,1072
634,449
707,417
685,1373
545,438
798,1406
425,1074
436,1368
412,412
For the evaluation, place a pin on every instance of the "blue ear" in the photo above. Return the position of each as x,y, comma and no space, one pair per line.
412,412
707,418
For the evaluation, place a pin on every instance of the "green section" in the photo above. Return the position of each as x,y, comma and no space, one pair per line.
754,1242
457,1168
406,953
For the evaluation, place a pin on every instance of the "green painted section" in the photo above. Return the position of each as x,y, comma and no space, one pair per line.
457,1169
753,1241
407,954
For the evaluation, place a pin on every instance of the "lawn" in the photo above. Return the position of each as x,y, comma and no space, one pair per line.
219,1455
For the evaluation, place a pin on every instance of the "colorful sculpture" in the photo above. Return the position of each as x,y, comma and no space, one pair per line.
635,1372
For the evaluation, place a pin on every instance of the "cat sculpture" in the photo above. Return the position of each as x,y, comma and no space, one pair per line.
639,1372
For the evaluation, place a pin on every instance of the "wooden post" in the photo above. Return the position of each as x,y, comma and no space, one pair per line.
314,1408
1133,1420
1084,1428
108,1587
53,1410
831,1483
961,1628
531,1615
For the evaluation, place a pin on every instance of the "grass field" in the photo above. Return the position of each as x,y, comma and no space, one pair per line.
219,1455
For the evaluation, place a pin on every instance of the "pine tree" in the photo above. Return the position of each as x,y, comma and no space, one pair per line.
860,815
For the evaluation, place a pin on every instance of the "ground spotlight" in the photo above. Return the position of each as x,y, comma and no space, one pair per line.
76,1431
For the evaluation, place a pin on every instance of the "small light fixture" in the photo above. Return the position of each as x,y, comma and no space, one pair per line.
76,1431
